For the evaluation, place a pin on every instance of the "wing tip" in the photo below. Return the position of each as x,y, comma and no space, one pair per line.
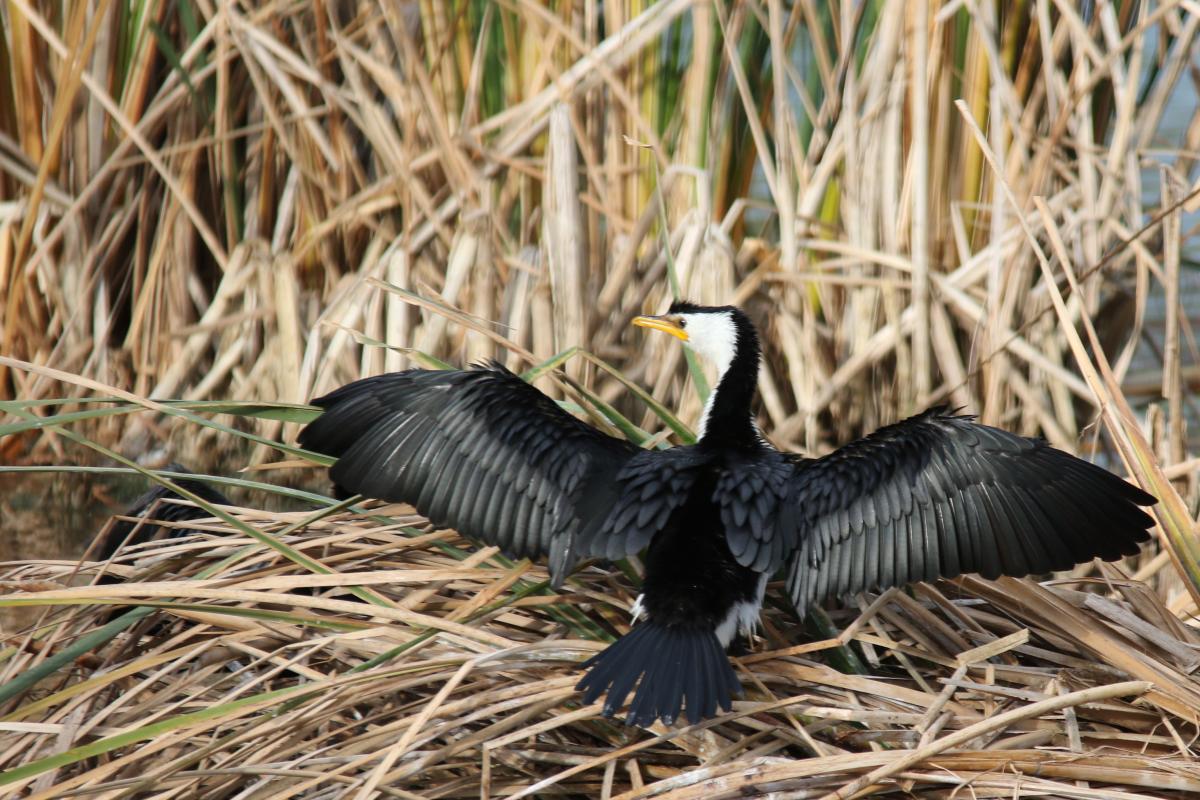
106,544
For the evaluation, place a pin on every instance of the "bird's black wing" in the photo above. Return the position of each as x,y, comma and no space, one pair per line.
751,490
148,506
648,489
938,495
483,452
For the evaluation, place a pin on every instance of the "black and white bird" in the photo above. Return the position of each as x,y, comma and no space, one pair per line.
936,495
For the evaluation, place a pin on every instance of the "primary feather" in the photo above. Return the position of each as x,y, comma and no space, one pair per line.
478,450
938,495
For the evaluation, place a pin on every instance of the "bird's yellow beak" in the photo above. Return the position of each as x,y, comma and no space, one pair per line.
666,324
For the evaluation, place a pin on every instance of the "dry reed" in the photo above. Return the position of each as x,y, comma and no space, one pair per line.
253,677
918,204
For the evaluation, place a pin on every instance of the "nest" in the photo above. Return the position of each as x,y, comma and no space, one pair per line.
331,656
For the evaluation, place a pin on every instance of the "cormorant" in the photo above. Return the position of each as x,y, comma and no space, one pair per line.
936,495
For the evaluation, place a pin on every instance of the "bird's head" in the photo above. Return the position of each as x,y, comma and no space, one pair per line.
716,333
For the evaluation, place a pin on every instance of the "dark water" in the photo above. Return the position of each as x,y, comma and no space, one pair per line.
54,515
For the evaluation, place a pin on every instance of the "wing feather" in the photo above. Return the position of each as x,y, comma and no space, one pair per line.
750,492
871,551
149,506
928,541
940,495
966,543
947,537
983,541
887,554
857,560
482,451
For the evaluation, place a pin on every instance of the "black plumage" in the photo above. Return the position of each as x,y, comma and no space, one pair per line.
151,508
481,451
938,495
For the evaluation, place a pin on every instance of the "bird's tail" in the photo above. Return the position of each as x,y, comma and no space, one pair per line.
680,668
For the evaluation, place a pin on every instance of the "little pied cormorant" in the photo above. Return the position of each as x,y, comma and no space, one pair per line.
936,495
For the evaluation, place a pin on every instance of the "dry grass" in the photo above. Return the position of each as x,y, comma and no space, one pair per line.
241,201
217,236
255,678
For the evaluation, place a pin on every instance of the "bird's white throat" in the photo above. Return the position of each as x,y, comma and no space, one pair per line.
714,338
704,415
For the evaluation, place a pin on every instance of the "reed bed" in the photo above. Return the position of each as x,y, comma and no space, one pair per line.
220,219
252,677
241,206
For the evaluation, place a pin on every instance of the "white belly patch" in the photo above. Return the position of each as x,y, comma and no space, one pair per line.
743,616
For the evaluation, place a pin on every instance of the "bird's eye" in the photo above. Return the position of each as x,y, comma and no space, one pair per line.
681,321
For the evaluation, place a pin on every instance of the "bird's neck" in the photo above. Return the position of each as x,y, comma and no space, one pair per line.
727,418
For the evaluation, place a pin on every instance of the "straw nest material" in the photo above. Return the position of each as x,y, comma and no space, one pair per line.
421,666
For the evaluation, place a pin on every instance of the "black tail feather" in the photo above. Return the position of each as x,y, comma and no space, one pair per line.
681,669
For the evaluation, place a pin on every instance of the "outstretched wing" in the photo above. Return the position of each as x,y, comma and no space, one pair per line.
483,452
938,495
148,506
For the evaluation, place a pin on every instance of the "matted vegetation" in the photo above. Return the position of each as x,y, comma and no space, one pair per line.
209,202
256,678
